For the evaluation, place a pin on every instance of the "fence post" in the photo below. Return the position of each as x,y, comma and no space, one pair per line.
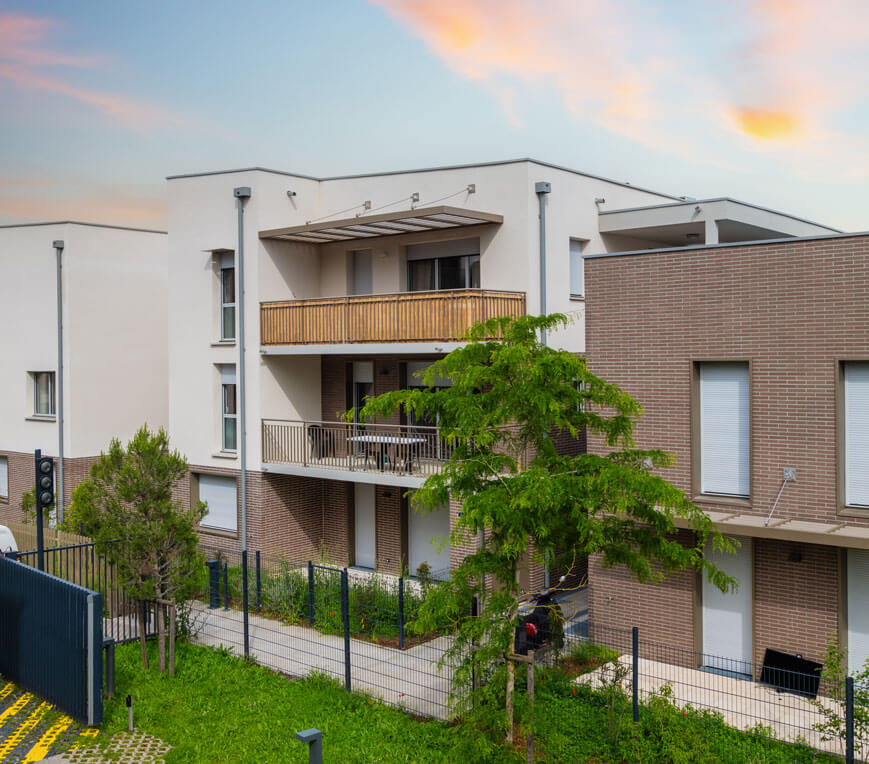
401,613
475,606
259,584
226,586
310,593
244,603
849,720
109,645
213,583
635,639
345,617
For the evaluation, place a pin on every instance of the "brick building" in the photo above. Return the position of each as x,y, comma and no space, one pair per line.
750,360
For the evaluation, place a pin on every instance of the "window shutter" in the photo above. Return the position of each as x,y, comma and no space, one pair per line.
724,428
221,496
857,434
577,286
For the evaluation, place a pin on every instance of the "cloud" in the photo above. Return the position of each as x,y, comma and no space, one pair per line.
24,57
773,73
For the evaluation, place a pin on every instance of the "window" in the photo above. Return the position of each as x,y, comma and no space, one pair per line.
724,429
220,494
4,477
443,265
43,393
229,414
227,296
577,282
856,433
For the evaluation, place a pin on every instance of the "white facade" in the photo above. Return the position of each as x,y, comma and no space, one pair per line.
114,334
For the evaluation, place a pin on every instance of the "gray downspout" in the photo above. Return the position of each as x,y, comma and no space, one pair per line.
241,193
59,504
542,188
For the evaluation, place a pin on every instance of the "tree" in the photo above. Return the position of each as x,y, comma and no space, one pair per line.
127,507
509,400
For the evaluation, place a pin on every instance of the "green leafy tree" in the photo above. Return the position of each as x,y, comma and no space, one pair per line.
510,399
128,509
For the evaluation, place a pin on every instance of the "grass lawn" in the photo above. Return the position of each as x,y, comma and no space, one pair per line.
220,709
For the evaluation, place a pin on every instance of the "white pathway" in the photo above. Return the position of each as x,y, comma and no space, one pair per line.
741,703
408,678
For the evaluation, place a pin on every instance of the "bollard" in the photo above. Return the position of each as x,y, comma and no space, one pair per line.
109,649
213,584
314,739
129,713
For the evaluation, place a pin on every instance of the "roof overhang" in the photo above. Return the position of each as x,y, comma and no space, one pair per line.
785,529
425,219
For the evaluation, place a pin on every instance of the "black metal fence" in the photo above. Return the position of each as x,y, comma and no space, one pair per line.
776,704
81,565
306,617
51,639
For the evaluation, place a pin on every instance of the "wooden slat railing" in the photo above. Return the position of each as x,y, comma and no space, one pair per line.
439,316
397,449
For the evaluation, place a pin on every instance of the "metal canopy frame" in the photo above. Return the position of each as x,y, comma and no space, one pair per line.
386,224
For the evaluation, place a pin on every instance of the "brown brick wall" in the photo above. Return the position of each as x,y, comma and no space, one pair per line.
333,374
390,529
796,604
338,518
791,309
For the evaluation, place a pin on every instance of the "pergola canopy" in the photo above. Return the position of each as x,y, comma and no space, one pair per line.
386,224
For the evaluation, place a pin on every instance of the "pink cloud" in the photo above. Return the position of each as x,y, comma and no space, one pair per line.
24,55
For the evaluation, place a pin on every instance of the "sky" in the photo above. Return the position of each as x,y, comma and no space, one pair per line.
766,101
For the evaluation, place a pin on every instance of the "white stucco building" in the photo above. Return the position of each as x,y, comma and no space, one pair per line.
114,330
351,284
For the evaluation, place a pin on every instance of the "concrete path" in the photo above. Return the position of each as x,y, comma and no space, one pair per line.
741,703
408,678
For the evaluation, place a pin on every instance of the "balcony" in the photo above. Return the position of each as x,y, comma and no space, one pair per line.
406,317
381,453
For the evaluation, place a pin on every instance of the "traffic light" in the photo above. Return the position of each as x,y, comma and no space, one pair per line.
44,482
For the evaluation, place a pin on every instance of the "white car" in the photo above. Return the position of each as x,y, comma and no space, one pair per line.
7,541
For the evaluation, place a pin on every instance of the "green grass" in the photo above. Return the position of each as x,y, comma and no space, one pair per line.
219,708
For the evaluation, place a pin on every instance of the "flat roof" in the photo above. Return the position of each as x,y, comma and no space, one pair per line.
437,168
756,242
386,224
78,222
689,202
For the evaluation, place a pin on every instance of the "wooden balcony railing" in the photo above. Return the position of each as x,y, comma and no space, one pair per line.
440,316
397,449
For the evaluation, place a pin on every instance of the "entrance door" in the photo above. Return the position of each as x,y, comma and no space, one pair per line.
727,639
366,550
421,530
858,609
360,279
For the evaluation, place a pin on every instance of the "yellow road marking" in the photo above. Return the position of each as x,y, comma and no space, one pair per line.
6,690
43,745
14,740
15,707
86,733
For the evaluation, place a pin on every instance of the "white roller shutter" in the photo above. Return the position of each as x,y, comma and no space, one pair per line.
858,609
727,617
724,428
4,477
426,533
857,434
220,493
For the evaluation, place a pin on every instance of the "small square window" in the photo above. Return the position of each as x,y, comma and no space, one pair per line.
43,393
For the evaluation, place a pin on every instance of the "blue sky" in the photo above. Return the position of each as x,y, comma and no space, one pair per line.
762,100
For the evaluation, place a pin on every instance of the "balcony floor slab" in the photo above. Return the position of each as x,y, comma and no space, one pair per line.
373,476
364,348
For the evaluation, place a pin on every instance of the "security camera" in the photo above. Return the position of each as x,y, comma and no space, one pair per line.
291,194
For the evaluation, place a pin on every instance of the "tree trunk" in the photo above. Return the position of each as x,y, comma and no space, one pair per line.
171,639
161,636
140,615
510,681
